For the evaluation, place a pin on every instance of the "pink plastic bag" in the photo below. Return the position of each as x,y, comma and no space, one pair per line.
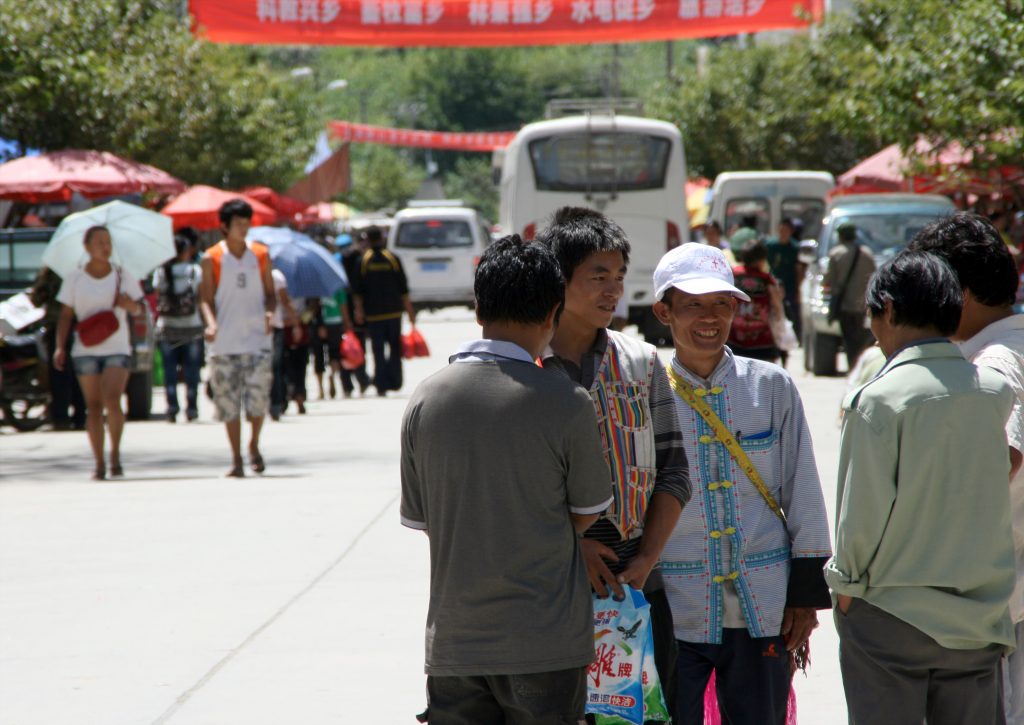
713,717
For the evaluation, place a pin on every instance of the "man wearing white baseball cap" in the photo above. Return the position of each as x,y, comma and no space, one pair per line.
743,568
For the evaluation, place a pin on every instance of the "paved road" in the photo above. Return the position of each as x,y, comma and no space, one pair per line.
178,596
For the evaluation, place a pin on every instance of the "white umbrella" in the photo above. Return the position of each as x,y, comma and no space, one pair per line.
142,239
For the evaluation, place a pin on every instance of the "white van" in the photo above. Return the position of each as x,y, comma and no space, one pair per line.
439,244
770,197
631,169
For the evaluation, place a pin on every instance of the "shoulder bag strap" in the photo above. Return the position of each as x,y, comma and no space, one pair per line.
849,274
691,396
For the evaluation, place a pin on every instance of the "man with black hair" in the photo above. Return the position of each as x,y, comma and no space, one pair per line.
743,566
237,303
785,265
991,335
924,562
642,441
850,266
381,292
510,621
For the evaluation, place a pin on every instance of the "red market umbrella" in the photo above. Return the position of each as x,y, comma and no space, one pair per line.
285,206
57,175
198,208
944,171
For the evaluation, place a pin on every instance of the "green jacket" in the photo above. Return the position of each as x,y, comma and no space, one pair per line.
923,514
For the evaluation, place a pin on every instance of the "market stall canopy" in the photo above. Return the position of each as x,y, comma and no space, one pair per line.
698,200
489,23
947,170
285,206
55,176
199,206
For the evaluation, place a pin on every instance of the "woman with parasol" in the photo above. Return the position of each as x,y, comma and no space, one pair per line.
99,295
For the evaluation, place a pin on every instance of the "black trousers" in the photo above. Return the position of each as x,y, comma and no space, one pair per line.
65,391
856,337
386,341
296,362
279,386
543,698
751,677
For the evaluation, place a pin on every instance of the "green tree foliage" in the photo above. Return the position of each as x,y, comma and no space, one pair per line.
939,70
128,77
471,181
757,108
382,178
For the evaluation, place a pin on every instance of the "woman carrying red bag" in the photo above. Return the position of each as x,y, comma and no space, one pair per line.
99,295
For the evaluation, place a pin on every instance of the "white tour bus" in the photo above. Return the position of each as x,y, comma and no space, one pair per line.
631,169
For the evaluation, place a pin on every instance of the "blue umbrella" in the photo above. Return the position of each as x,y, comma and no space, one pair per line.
309,269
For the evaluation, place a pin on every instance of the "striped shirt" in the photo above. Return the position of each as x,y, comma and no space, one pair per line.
672,470
727,538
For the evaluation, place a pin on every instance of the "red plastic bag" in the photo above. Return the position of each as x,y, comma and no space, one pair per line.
413,345
353,356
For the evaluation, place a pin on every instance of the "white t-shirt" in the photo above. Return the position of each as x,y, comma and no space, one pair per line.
241,329
280,283
87,295
1000,346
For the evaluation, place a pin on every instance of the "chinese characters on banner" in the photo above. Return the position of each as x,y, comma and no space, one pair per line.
489,22
362,133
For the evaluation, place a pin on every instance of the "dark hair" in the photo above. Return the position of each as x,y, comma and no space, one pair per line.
373,234
748,221
979,256
847,232
922,289
230,209
518,282
576,233
714,225
753,251
93,230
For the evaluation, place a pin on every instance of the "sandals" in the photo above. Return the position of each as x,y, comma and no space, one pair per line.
237,471
116,470
256,461
100,474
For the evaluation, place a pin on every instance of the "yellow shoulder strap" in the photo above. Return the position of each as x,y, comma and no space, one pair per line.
722,433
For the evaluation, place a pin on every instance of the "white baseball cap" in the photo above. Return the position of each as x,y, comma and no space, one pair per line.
697,269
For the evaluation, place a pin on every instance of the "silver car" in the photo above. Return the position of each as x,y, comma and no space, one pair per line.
885,224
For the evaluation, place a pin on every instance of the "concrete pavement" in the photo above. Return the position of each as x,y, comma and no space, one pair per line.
178,596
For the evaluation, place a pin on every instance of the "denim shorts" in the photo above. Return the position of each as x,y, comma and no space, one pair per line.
96,364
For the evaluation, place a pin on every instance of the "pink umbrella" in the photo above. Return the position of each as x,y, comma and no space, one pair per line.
57,175
198,208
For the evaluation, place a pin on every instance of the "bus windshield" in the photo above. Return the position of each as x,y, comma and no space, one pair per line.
602,161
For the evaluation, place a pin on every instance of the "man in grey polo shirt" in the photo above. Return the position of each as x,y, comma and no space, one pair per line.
502,467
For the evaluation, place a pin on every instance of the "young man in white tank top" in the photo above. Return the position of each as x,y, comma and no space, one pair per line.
237,303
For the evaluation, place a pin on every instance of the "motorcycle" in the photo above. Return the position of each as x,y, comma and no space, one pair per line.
24,380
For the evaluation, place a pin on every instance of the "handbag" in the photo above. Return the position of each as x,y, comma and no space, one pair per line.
836,300
96,328
414,345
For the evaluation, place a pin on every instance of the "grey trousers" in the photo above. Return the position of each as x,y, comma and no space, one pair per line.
543,698
895,674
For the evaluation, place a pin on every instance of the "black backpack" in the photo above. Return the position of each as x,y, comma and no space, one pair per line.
172,305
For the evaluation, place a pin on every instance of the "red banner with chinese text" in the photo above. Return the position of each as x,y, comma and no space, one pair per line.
404,23
362,133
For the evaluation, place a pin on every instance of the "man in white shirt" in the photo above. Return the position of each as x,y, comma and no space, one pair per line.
991,335
237,302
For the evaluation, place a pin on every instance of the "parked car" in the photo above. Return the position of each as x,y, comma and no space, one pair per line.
439,244
21,253
885,224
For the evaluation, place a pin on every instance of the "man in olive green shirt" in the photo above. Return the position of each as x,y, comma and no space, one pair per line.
924,562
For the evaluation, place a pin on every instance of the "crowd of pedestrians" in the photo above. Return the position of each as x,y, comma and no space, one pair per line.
230,311
700,489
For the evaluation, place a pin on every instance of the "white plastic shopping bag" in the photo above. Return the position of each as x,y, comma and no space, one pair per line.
623,684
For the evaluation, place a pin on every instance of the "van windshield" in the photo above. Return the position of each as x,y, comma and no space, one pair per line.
885,234
434,234
606,161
